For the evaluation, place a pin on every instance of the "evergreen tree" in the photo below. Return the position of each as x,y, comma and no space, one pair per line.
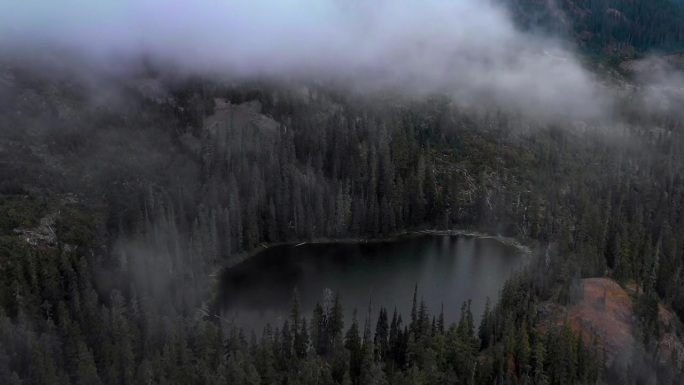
335,316
301,342
352,342
381,339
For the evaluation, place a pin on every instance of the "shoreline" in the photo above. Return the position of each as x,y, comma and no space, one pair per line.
239,258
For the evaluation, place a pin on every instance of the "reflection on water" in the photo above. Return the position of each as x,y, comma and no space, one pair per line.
447,269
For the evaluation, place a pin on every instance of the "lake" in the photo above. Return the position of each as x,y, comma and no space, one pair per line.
448,270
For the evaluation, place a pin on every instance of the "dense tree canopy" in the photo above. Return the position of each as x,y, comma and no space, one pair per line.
613,28
112,218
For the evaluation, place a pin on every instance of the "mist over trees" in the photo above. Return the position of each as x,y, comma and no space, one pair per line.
122,192
166,194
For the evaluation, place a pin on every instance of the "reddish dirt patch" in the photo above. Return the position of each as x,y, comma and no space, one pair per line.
604,314
664,316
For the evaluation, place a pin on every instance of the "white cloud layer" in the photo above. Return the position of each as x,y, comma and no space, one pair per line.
467,48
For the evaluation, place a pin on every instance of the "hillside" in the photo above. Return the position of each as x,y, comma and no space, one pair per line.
607,316
200,174
607,28
122,192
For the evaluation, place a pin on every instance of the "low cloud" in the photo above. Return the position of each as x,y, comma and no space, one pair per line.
469,49
661,84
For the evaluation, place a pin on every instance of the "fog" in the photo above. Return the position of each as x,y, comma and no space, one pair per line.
661,86
469,49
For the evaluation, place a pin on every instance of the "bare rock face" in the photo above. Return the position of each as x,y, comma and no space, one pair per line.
233,128
246,116
43,234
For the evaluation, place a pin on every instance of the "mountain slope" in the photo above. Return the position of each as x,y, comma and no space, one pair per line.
621,28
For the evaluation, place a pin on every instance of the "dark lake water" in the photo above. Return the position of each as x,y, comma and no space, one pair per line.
447,269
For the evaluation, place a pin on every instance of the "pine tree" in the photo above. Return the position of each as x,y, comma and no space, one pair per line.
265,361
301,343
486,329
87,371
440,320
319,331
296,319
414,311
539,357
352,342
423,327
523,351
394,340
336,319
367,371
285,351
381,339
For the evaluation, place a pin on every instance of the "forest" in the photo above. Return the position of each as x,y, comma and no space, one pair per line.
116,211
607,29
110,292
